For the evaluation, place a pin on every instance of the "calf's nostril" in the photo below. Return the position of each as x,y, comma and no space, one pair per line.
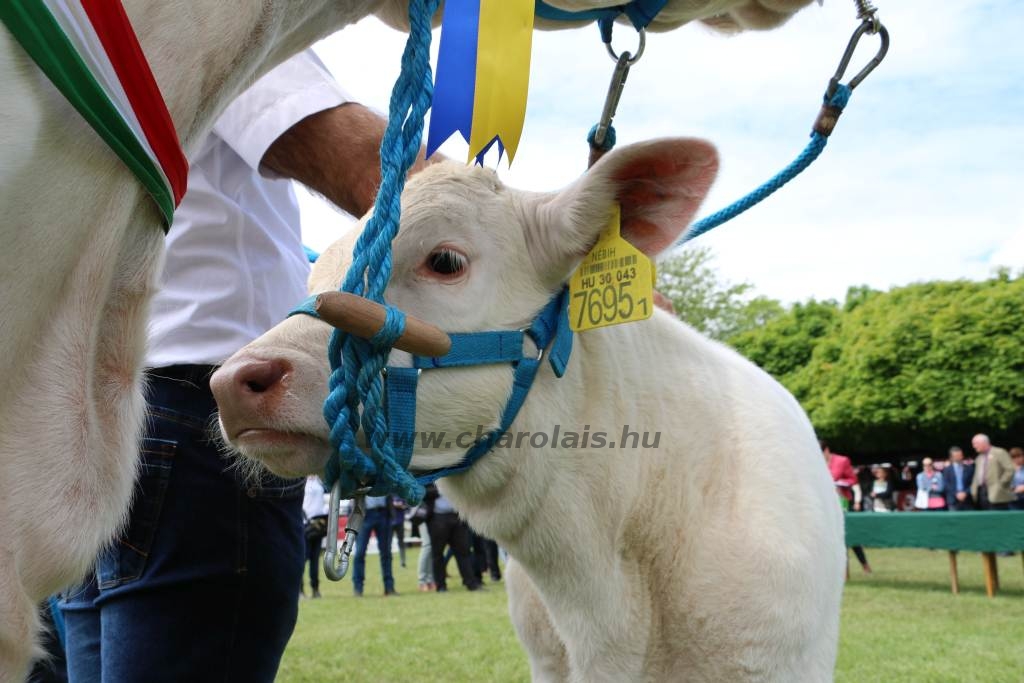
261,376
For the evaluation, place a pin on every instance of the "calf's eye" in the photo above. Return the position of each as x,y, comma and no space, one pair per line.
447,262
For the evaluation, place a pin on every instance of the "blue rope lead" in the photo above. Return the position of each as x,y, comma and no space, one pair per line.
356,364
819,137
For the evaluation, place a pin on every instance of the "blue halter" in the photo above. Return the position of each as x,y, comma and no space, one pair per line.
549,329
639,12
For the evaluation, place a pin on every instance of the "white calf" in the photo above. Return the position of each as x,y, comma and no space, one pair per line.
714,555
80,246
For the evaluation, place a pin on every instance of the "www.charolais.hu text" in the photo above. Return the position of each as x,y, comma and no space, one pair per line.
556,437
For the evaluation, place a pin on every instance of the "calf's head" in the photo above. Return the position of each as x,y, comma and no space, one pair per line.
471,255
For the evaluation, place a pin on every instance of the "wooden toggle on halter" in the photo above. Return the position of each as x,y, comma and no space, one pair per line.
364,318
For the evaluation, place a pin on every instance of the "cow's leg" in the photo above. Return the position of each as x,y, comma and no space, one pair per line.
18,625
548,661
69,445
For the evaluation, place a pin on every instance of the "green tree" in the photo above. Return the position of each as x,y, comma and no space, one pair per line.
914,369
714,307
784,345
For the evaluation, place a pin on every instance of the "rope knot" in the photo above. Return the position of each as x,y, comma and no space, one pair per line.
390,331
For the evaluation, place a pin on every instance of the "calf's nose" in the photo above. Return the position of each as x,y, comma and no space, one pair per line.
245,386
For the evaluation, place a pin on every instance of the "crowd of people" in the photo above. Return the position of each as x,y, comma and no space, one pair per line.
992,480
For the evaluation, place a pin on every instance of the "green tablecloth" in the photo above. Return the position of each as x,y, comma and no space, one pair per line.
979,531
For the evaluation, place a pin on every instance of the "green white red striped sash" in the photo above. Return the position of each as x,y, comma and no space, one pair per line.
89,50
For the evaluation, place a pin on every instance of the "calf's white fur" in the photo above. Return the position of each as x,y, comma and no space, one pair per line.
661,564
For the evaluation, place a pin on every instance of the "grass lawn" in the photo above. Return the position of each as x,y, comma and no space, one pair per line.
900,623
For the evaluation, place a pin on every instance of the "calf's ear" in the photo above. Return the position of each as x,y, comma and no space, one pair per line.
658,184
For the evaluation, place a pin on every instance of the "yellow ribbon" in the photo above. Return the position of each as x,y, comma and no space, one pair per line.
502,74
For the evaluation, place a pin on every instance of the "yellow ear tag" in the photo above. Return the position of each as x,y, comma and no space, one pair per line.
613,285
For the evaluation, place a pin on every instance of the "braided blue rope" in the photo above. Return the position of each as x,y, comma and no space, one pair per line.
814,148
356,364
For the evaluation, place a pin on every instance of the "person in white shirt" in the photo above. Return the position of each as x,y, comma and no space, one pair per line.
202,584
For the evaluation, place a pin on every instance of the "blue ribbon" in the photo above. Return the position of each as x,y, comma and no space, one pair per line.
452,109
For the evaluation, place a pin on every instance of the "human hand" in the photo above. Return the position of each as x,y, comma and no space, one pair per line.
961,496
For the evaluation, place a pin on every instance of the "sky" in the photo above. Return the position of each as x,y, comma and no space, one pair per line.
922,179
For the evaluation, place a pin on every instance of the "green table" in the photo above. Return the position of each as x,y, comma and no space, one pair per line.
984,532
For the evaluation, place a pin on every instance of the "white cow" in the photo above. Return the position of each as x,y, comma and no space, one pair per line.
664,562
80,244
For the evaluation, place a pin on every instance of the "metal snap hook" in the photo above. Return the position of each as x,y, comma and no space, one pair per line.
871,25
611,100
336,561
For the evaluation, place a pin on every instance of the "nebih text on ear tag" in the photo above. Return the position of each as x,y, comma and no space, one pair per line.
614,284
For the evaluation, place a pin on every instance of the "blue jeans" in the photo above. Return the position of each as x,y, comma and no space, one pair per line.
203,583
378,521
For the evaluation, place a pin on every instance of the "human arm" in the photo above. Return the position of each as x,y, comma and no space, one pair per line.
949,479
297,122
335,152
845,475
1004,465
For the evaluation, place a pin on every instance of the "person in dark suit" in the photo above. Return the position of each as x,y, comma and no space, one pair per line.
958,476
447,530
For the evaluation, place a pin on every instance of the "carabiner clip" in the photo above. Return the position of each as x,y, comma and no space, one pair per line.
871,25
611,100
336,560
598,138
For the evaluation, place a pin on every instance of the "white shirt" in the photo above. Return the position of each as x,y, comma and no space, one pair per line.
442,505
315,502
235,265
375,502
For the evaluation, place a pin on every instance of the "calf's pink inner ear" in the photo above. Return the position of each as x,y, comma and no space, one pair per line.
660,190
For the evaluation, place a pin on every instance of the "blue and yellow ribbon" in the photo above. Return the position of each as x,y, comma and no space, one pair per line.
483,66
483,74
